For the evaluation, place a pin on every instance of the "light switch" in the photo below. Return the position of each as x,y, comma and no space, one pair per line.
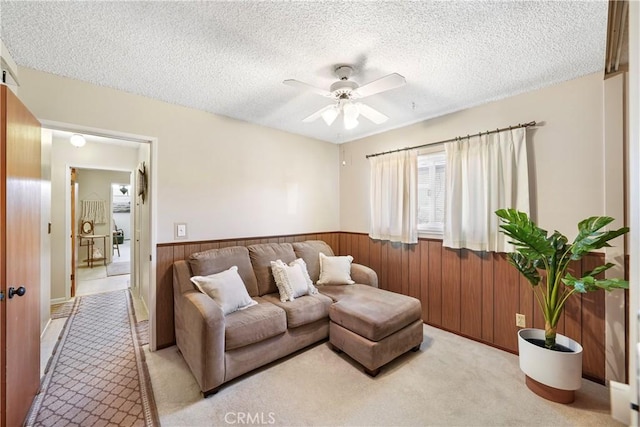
180,230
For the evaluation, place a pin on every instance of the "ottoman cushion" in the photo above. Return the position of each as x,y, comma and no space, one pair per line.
375,313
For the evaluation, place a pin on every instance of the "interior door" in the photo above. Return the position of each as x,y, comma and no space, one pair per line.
20,239
74,192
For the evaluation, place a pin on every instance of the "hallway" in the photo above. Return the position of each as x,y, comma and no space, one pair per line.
90,281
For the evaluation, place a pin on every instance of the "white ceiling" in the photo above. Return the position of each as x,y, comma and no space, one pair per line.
230,58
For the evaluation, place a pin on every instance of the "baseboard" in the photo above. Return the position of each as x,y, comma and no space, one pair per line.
620,398
58,301
45,328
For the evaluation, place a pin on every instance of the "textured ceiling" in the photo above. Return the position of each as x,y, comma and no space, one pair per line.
230,58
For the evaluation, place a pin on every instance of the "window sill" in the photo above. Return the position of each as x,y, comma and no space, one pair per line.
430,235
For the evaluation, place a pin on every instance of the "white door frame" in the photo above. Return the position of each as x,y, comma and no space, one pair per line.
152,179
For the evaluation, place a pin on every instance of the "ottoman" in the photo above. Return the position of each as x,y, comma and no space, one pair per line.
374,326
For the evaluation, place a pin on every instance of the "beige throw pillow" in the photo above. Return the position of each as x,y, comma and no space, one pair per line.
292,280
226,289
335,270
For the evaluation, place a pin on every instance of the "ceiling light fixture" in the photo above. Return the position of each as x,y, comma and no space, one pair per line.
351,113
330,114
77,140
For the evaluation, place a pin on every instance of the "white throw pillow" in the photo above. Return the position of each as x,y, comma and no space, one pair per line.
226,289
335,270
303,265
292,280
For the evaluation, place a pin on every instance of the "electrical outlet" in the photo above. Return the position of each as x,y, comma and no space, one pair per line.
520,320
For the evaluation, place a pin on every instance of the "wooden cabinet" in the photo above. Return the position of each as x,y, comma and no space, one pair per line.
20,193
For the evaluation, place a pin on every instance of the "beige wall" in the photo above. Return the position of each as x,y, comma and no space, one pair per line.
566,151
223,177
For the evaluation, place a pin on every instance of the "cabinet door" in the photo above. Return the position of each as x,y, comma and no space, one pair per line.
21,258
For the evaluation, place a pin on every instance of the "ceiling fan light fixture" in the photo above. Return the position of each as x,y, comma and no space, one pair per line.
330,115
77,140
351,113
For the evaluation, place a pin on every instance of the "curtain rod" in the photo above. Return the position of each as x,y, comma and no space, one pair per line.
519,125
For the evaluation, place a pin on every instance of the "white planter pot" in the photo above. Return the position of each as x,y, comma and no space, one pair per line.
556,369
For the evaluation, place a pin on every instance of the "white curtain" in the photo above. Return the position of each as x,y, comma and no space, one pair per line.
483,174
94,210
394,197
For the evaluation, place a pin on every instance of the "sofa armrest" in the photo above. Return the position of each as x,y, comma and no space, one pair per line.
364,275
200,337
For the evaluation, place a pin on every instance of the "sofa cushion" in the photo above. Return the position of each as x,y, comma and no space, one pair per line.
261,256
302,310
217,260
374,313
335,270
255,324
226,289
309,251
292,280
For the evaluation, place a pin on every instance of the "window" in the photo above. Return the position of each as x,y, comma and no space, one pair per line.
431,169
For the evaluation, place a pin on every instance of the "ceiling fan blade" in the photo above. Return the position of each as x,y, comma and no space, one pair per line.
374,115
390,81
319,114
304,86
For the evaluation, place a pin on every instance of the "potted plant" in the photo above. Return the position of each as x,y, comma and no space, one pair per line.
552,362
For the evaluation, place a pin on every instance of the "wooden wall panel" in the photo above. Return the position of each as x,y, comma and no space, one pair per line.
451,289
413,254
164,297
506,300
526,302
424,279
471,293
363,249
593,340
384,265
435,283
573,308
374,256
394,273
487,297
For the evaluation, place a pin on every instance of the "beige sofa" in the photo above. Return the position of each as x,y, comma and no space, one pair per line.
371,325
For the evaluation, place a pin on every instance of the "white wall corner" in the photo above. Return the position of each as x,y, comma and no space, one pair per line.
614,206
634,198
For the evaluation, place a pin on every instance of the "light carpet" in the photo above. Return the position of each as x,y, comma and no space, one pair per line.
96,375
451,381
119,268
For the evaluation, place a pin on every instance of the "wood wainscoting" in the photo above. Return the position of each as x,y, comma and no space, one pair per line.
465,292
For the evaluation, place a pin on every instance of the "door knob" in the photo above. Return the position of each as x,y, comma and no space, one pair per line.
20,291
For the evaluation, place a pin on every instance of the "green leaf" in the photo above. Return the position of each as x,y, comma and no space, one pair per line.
590,284
599,270
611,284
529,239
590,237
577,284
526,267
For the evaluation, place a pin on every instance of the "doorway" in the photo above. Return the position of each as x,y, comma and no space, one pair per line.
106,154
103,262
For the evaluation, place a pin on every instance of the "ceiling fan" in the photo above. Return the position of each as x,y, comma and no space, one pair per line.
344,92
